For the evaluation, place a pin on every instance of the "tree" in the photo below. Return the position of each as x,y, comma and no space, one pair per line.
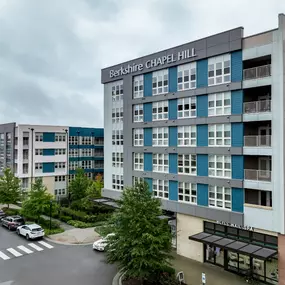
38,201
78,186
95,187
10,189
142,242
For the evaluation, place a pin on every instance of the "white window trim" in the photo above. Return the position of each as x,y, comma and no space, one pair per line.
160,131
189,168
117,186
140,134
219,109
215,200
160,110
222,63
160,76
189,102
138,161
187,136
160,189
186,76
216,135
160,162
138,86
138,113
220,172
185,192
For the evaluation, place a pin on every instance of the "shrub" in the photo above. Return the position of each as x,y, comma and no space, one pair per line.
79,224
53,231
65,218
11,212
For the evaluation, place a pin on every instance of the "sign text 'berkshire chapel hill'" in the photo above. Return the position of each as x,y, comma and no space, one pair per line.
159,61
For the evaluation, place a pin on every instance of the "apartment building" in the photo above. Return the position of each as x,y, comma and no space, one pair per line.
48,153
203,125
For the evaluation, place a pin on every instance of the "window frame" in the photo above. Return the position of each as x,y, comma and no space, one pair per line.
138,86
182,166
181,138
214,137
219,68
138,113
184,72
138,161
164,132
223,109
214,190
162,74
214,160
182,111
185,193
160,110
139,141
160,189
160,167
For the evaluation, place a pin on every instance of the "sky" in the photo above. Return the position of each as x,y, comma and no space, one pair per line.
52,52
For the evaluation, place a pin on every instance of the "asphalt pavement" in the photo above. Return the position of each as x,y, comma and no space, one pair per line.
42,262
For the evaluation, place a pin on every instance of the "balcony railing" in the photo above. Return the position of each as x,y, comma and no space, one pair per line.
257,175
257,106
257,72
257,141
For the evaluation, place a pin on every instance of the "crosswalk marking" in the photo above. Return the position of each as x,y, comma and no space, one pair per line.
14,252
35,247
4,256
46,244
26,250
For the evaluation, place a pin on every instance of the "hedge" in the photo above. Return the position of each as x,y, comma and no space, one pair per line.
11,212
79,224
53,231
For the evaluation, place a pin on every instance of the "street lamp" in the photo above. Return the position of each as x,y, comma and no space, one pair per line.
50,207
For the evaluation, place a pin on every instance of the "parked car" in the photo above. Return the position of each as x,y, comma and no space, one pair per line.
2,214
32,231
12,222
101,244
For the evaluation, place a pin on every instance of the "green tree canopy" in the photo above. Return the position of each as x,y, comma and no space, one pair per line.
78,186
38,201
10,189
95,187
142,242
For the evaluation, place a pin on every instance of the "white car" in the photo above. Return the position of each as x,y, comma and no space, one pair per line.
32,231
101,243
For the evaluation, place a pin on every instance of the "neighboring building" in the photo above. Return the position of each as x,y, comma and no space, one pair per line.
48,152
203,125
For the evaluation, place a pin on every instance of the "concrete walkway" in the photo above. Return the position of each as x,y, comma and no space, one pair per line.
63,225
214,274
76,236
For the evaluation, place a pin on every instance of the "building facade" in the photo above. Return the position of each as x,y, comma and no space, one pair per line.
202,124
49,152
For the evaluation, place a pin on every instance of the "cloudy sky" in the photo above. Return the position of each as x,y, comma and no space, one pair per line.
51,52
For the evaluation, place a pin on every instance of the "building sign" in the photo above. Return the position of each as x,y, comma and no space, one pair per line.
246,228
159,61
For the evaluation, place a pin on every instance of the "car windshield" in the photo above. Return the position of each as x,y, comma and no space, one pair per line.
36,229
19,220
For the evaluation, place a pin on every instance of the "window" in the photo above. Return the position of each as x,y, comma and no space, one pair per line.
59,192
60,151
86,152
117,137
187,107
187,192
187,136
73,152
117,159
220,135
160,136
219,104
219,69
26,153
187,164
220,166
220,197
38,151
160,162
99,164
138,161
137,180
160,82
25,141
117,115
60,178
160,188
86,164
60,137
117,182
25,183
186,78
73,165
38,166
138,86
138,113
98,152
86,140
160,110
99,141
25,168
39,137
117,91
138,137
73,140
59,165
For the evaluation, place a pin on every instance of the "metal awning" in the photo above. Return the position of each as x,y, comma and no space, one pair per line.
234,245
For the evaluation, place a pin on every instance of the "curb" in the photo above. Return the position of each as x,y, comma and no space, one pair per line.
66,243
117,280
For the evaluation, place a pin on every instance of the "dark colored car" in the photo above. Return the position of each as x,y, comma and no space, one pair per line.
12,222
2,214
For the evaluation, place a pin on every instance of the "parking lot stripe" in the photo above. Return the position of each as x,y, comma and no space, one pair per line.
4,256
14,252
46,244
26,250
35,247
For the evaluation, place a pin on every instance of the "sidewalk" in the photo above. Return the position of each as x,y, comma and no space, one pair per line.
214,275
63,225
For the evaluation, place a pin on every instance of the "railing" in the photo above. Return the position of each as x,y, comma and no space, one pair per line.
255,141
257,175
257,72
257,106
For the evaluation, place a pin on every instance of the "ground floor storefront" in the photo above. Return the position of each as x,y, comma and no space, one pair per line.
240,250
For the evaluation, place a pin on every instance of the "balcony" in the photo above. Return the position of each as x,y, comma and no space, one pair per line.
257,72
257,111
257,175
257,141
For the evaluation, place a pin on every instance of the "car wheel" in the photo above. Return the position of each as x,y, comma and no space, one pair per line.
27,237
9,228
18,232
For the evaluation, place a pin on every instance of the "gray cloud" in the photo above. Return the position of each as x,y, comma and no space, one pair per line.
51,52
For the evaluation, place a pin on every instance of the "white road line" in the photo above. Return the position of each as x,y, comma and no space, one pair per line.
4,256
46,244
35,247
26,250
14,252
